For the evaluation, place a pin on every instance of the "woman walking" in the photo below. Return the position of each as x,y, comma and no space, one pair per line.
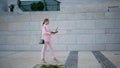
46,34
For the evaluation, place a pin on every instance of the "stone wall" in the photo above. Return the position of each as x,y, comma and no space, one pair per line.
90,29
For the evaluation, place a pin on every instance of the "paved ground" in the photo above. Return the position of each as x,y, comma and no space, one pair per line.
72,59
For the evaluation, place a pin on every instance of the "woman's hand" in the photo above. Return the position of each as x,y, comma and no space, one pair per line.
54,32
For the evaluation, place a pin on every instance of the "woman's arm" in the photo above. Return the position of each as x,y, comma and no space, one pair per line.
54,32
47,31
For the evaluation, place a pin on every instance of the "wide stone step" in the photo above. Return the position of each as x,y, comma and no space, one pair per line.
89,7
61,39
62,25
61,47
59,17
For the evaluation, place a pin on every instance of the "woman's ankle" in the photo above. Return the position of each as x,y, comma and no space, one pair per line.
54,58
43,60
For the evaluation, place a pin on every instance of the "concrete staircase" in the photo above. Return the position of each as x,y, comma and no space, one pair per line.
80,27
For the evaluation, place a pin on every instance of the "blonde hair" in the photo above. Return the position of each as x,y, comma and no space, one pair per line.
45,20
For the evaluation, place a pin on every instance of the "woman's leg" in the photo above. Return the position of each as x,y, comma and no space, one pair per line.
51,51
43,51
